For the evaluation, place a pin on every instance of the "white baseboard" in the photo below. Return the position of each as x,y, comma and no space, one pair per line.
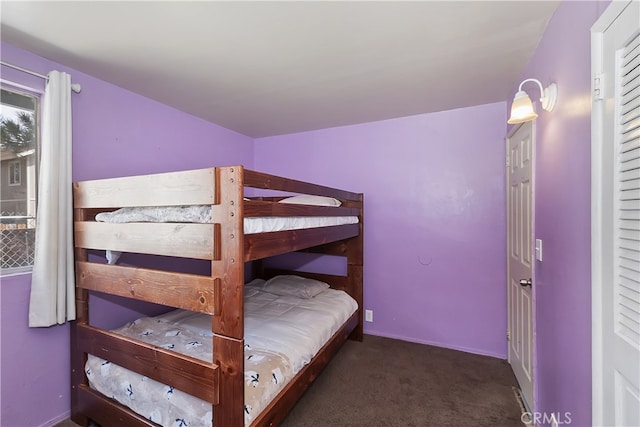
57,419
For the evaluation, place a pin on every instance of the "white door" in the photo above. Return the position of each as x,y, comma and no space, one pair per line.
519,257
616,216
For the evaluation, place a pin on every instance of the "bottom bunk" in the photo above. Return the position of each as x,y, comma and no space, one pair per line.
292,330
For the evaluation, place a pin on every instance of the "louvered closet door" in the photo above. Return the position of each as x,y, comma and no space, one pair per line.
628,195
621,265
627,254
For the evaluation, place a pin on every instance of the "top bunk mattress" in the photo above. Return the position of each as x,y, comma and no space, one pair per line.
202,214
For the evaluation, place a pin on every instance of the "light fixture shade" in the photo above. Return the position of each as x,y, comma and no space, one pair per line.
521,109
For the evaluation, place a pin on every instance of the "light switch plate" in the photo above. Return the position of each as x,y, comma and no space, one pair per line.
539,249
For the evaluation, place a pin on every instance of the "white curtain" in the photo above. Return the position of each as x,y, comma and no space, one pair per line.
53,282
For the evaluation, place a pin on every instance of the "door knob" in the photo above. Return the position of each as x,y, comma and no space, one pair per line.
525,282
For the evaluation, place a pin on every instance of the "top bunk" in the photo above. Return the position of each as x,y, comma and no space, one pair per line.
232,206
232,197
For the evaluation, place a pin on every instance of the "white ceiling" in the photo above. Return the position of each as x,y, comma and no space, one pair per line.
267,68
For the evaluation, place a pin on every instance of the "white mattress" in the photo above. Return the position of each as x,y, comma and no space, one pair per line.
269,224
202,214
275,326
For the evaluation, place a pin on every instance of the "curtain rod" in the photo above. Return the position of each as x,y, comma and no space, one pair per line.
74,87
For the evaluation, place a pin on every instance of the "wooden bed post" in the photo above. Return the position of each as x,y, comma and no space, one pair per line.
78,358
228,269
355,273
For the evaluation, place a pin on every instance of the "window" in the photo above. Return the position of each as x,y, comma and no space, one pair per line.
18,154
15,173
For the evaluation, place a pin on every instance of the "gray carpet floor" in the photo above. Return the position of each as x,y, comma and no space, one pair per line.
389,383
382,382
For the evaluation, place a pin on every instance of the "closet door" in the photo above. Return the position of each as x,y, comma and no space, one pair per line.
520,169
616,216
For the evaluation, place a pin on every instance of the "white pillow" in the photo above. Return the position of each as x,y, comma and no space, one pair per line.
312,200
296,286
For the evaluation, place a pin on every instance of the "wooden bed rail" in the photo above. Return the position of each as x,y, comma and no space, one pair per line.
295,240
186,373
104,411
194,187
254,208
167,239
272,182
187,291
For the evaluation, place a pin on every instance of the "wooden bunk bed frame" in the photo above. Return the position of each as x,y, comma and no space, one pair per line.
221,294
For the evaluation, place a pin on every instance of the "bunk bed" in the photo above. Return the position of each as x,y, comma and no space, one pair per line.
233,196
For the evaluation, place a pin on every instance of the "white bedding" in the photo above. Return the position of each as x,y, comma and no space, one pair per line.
275,326
202,214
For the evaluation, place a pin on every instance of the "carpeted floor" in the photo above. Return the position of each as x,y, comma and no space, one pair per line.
382,382
389,383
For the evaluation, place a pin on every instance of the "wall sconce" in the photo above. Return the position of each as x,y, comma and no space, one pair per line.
522,107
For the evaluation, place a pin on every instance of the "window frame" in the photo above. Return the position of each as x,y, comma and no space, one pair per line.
36,95
15,165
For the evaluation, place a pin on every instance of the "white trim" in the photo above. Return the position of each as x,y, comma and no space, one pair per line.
15,271
30,89
57,419
597,145
611,13
596,241
437,343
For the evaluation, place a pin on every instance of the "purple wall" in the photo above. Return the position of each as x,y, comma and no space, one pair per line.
435,222
35,362
562,290
434,189
115,133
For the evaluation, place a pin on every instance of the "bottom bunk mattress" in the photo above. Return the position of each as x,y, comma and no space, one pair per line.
287,320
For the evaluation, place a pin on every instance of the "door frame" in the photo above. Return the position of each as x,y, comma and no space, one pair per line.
530,405
598,170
